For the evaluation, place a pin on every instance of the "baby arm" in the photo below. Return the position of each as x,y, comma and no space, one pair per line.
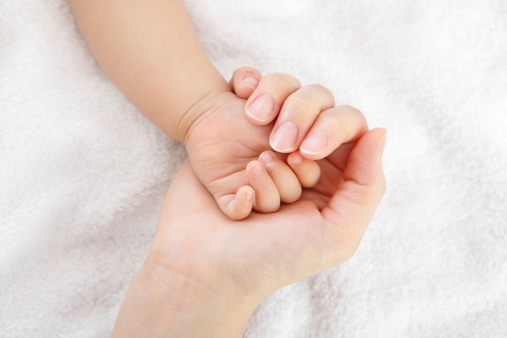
149,49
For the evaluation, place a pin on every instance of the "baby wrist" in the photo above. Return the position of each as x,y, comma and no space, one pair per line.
198,111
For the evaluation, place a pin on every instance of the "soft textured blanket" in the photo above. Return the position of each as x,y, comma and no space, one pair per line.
83,173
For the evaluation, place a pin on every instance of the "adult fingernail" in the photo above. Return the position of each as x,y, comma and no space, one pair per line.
314,144
261,108
285,137
250,82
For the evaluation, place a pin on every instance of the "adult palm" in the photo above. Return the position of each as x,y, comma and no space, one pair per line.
253,257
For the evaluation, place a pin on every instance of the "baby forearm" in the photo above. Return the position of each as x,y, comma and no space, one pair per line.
150,51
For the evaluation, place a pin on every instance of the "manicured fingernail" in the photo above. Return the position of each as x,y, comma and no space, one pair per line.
250,82
261,108
296,158
314,144
255,168
285,137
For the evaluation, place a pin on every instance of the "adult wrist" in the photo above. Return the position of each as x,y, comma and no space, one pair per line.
165,302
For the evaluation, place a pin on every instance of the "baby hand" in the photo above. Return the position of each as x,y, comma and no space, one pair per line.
233,134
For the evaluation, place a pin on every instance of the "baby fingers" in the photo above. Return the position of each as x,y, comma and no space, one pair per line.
283,177
307,171
237,206
244,81
266,197
264,105
274,181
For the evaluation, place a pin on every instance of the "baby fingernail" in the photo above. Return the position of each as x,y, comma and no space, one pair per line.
266,157
285,137
261,108
250,82
295,158
314,144
255,168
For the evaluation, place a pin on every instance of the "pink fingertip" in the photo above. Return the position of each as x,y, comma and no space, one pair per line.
296,158
267,156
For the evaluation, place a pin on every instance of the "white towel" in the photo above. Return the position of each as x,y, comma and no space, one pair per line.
83,173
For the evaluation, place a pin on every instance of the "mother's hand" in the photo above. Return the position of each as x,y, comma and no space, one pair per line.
211,272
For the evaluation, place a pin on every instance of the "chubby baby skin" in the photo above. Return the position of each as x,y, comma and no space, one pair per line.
259,153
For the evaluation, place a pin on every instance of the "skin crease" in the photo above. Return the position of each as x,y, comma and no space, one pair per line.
221,144
226,132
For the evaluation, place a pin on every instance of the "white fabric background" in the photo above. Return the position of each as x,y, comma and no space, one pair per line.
83,174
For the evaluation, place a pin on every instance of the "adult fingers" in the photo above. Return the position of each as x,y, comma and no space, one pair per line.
332,128
264,104
244,81
298,114
351,208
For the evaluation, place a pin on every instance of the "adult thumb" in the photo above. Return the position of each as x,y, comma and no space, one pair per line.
352,207
364,166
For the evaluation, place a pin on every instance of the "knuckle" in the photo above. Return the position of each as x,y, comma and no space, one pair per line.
323,90
285,80
352,114
300,103
350,109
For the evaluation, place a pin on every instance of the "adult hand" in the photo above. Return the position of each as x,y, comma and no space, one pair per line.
206,273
